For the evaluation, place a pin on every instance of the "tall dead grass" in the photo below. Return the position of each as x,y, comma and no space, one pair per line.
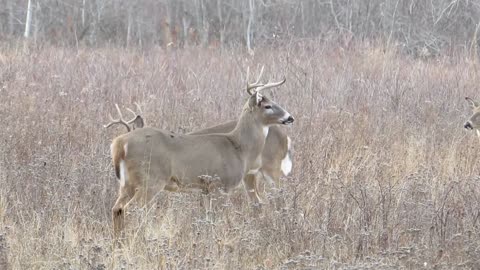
384,175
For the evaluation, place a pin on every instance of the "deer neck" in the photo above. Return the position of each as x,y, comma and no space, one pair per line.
249,135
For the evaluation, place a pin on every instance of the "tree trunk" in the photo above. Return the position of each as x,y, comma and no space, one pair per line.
221,25
28,20
83,14
186,27
11,16
36,24
205,24
129,26
198,20
251,5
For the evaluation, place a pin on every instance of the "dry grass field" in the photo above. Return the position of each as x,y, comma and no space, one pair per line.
384,175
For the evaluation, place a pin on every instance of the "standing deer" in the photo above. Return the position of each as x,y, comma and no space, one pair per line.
149,160
276,154
473,123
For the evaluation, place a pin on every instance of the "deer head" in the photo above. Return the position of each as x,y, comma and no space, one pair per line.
271,113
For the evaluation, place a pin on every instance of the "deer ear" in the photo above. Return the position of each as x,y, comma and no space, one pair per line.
474,104
138,122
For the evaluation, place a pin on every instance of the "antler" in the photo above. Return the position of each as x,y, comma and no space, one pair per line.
256,84
473,103
270,85
121,121
137,121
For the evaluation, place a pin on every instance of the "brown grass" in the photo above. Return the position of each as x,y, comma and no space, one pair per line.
384,175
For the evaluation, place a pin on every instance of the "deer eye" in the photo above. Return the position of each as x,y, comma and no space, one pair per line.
268,107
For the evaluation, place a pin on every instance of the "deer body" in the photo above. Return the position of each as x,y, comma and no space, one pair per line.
189,157
276,154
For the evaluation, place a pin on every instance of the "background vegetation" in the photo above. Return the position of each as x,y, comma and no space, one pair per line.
421,28
385,177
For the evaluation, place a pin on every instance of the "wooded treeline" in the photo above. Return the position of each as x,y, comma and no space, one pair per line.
413,24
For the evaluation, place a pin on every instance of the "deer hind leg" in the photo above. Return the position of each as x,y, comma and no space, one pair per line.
269,179
139,197
118,210
126,197
250,182
272,176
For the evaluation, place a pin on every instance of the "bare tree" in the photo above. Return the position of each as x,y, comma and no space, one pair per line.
416,25
11,16
251,5
28,20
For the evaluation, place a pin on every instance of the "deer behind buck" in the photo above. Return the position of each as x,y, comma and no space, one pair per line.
473,123
149,160
276,154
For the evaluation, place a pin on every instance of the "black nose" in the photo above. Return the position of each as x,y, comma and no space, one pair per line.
468,125
289,120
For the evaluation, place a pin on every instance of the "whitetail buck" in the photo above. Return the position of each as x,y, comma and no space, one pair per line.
473,123
149,160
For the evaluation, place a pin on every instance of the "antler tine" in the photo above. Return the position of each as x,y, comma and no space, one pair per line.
255,84
135,114
261,74
117,121
119,112
138,107
137,121
270,85
111,122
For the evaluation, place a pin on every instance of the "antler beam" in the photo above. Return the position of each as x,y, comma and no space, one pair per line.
271,85
257,86
120,120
